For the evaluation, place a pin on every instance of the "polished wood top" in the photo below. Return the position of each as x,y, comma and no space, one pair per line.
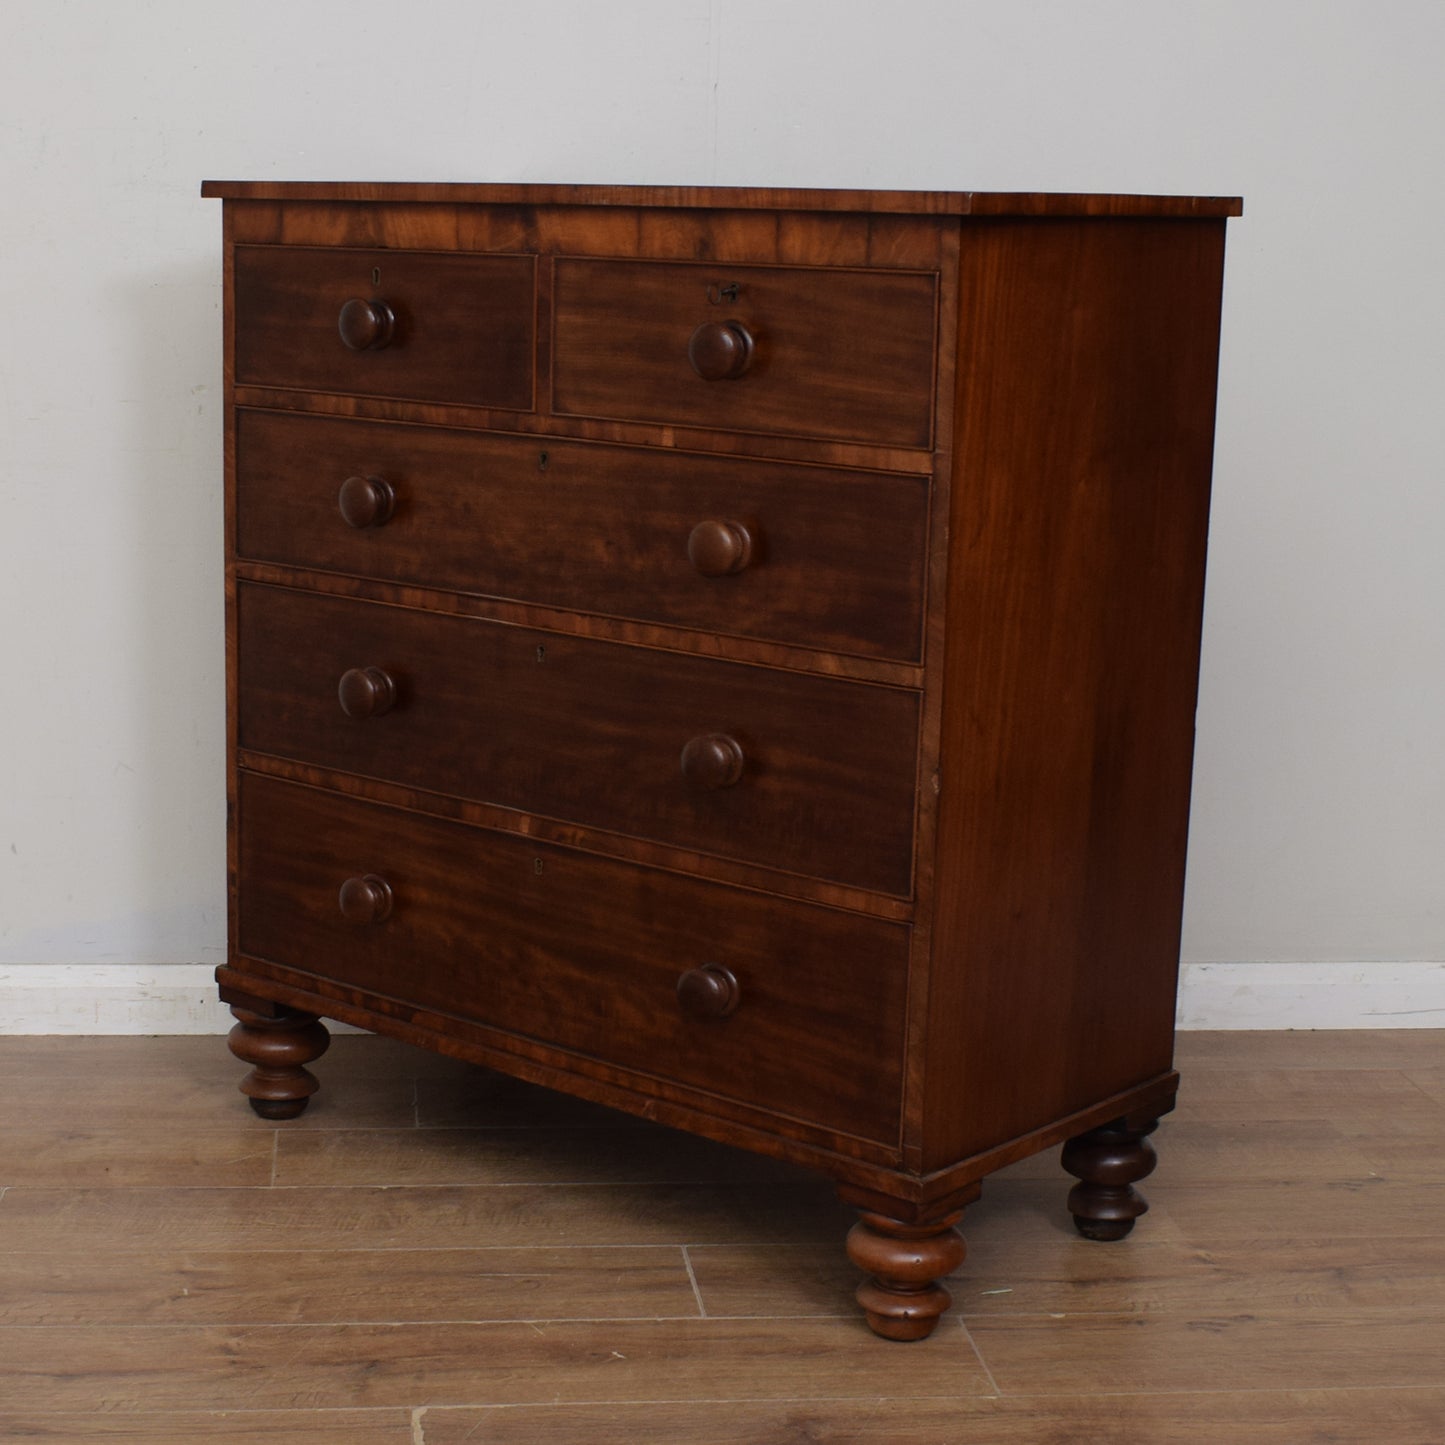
924,203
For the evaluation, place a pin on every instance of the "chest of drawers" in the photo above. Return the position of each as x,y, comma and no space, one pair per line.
730,655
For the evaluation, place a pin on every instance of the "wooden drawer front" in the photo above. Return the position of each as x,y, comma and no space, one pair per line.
589,732
831,560
463,328
581,952
834,353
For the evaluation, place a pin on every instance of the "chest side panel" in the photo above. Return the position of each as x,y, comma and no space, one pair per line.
1085,408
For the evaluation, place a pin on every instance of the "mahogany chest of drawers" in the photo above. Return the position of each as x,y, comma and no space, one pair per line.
730,655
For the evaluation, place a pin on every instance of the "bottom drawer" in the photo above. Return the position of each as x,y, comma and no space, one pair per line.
583,953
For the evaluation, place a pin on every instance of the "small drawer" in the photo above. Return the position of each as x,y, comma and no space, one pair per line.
804,555
811,775
836,354
782,1005
414,325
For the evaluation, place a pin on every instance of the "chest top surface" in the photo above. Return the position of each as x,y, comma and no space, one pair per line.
923,203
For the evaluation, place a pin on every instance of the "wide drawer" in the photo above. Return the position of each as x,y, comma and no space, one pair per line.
461,327
825,559
808,774
582,953
843,354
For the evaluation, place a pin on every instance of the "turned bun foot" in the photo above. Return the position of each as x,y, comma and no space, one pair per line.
903,1299
278,1086
1107,1162
281,1108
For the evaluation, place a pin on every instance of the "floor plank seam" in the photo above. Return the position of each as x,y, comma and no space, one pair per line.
692,1279
1314,1314
1022,1399
534,1322
95,1247
1419,1088
225,1412
1323,1314
609,1402
317,1131
978,1355
635,1184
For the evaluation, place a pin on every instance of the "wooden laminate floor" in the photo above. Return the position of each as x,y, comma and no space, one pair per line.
434,1255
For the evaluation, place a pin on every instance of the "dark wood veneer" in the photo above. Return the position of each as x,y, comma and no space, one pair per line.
832,559
590,732
387,323
582,953
729,654
712,198
1074,606
808,348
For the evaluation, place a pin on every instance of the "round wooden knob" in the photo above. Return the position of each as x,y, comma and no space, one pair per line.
366,502
365,325
712,760
709,992
717,548
365,692
366,899
720,350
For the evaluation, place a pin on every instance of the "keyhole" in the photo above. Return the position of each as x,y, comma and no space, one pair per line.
376,275
541,654
537,866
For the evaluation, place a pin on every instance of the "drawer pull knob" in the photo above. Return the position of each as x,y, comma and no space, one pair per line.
365,325
366,899
366,502
717,548
712,760
365,692
720,350
709,992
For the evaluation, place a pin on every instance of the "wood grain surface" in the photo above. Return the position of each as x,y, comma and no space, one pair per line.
825,796
463,324
820,339
436,1254
1075,594
818,989
590,732
836,561
935,203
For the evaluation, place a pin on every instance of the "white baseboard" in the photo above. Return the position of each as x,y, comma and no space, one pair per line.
113,998
97,998
110,998
1312,996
